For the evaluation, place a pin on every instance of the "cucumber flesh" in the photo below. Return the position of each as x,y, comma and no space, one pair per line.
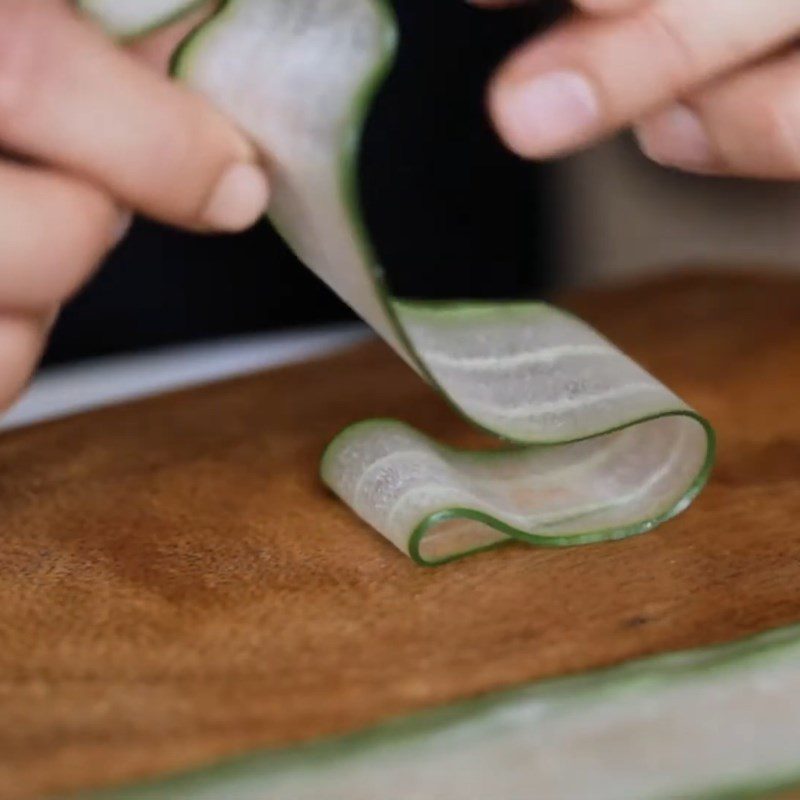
717,722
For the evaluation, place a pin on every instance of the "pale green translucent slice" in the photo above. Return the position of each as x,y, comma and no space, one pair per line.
719,722
607,450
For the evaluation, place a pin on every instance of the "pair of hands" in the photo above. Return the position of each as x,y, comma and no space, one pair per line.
93,130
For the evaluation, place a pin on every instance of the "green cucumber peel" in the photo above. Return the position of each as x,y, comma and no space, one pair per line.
708,724
600,449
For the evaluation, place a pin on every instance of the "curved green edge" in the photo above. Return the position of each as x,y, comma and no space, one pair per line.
649,673
348,178
515,534
574,539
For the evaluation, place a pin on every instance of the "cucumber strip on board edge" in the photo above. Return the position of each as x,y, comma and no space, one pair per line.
718,722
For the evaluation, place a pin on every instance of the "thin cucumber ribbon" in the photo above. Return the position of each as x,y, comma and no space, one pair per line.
599,449
719,722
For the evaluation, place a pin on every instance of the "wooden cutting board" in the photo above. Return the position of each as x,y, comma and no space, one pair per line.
177,586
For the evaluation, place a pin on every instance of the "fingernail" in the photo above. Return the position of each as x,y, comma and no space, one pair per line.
676,137
239,199
547,114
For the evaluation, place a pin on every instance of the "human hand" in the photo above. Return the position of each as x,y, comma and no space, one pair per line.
87,135
709,86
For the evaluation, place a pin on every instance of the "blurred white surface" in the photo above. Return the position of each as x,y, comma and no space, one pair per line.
623,217
60,391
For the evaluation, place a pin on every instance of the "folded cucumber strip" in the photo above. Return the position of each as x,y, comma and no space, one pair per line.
601,450
712,723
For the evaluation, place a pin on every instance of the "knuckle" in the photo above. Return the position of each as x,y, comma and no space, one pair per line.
668,37
27,34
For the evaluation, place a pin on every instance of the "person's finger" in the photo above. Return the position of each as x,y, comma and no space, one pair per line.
592,76
71,98
746,125
609,6
157,49
54,230
22,339
589,6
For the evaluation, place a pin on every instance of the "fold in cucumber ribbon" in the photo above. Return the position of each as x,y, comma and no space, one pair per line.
600,450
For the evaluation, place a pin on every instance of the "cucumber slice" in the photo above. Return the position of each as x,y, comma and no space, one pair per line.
623,453
712,723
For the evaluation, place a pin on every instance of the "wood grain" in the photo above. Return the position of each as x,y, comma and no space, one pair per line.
176,586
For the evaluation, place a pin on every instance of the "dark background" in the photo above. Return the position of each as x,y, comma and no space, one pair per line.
452,212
